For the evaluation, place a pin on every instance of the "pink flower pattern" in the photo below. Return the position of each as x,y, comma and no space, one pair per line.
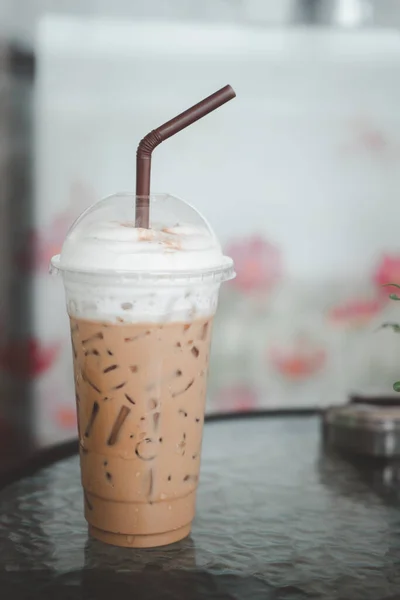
368,138
258,264
299,362
236,398
65,417
387,271
356,312
27,359
259,268
40,245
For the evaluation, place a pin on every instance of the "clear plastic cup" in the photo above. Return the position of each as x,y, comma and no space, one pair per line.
141,306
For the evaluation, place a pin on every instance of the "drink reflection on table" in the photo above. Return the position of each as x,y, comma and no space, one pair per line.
167,572
103,557
346,473
146,572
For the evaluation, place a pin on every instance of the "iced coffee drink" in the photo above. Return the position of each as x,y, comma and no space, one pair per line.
141,304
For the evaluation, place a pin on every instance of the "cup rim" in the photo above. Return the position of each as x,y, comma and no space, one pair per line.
219,274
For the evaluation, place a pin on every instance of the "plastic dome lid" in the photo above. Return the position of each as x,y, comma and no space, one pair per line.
105,241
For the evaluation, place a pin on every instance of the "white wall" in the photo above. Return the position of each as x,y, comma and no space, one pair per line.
18,18
307,157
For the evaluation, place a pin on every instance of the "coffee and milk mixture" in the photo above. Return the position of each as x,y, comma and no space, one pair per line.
140,392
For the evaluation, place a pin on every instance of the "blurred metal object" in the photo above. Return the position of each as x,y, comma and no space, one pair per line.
363,429
376,399
338,13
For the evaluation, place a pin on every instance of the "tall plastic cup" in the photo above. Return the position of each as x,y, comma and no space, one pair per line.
141,304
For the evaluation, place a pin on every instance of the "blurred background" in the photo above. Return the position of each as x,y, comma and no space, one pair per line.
299,176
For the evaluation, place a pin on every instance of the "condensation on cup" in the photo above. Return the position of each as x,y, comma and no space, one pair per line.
141,304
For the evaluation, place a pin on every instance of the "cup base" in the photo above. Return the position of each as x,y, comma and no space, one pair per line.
151,540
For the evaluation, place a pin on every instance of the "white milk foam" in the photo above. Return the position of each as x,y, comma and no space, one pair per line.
91,252
140,304
120,246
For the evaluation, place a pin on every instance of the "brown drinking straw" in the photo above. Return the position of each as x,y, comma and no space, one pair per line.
155,137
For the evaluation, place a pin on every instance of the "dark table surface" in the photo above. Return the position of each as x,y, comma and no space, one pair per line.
277,518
